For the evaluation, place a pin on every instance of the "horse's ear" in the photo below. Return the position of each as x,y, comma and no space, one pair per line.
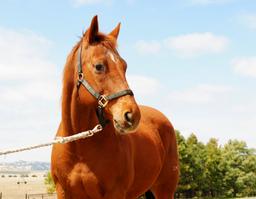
116,30
93,30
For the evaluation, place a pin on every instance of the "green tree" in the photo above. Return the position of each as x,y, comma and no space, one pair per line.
249,179
238,163
196,151
184,183
48,181
213,171
192,159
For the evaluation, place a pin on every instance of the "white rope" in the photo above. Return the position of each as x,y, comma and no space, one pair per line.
58,140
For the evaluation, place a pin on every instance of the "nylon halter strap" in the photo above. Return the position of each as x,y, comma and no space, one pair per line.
102,99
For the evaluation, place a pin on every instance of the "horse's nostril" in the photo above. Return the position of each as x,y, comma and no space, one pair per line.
128,116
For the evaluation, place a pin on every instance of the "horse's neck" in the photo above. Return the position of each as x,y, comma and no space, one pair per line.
77,117
82,117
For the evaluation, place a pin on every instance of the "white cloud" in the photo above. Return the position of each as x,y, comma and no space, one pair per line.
249,20
245,66
29,89
218,111
248,108
195,44
188,45
23,55
24,65
148,47
201,94
143,85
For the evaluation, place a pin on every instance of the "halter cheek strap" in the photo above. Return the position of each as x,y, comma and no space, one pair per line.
102,99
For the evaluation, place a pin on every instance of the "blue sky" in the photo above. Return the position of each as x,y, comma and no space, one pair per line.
192,59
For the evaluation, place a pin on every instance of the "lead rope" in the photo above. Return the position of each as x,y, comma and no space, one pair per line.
57,140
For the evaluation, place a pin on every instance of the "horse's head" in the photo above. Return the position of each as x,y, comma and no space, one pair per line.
103,70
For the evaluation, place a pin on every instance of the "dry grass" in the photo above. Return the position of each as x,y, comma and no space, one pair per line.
12,190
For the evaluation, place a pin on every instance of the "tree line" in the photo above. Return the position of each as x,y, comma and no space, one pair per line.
212,170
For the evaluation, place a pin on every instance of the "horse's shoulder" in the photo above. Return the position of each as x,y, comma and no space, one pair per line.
154,116
149,109
155,122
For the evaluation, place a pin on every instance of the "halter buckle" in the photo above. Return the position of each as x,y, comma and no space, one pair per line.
103,101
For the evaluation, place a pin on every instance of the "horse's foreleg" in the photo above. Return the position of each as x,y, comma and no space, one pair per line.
162,192
149,195
167,182
61,194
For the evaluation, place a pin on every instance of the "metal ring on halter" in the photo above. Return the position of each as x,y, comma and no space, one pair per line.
103,101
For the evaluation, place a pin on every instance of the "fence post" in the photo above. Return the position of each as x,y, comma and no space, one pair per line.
26,196
1,195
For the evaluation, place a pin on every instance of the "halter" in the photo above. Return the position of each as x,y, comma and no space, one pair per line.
102,99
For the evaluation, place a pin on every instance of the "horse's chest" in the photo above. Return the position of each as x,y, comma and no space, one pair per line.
84,182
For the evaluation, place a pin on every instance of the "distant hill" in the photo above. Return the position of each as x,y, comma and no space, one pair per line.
20,166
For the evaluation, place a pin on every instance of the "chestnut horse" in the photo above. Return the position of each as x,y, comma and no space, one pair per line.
135,152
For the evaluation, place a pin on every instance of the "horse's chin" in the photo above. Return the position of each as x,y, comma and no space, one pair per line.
123,128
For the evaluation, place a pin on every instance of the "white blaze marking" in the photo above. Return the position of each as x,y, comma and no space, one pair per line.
112,56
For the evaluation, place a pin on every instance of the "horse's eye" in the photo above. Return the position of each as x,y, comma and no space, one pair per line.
100,68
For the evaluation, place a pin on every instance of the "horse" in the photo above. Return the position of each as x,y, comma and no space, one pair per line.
136,152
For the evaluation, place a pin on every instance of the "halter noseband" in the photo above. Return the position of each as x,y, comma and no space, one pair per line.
102,99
